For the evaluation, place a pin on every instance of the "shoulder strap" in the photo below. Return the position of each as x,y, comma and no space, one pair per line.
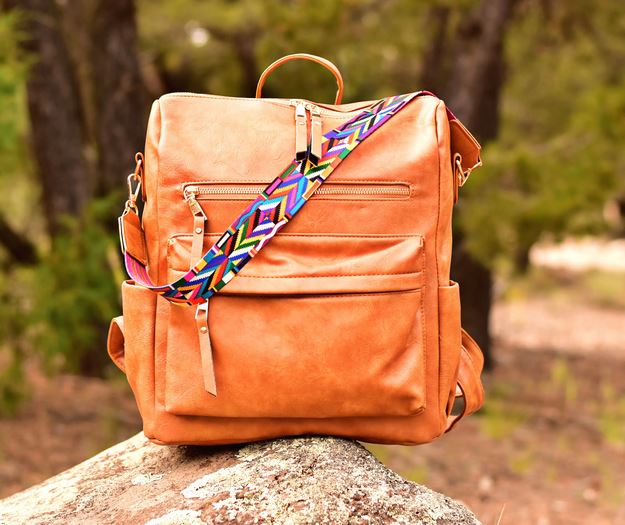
274,207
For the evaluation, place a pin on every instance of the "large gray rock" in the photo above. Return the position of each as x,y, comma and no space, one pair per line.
287,481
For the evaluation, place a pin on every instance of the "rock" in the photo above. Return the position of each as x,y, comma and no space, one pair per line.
286,481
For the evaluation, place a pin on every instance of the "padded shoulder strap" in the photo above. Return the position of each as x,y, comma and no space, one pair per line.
469,389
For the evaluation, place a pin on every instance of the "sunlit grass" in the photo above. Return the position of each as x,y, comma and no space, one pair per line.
611,417
498,419
564,380
523,463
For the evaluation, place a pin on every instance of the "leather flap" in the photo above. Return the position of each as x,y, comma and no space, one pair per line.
313,264
464,143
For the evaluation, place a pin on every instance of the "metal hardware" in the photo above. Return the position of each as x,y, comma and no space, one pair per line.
316,134
301,130
133,193
337,189
194,205
461,173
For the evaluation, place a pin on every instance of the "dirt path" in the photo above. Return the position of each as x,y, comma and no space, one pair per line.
565,326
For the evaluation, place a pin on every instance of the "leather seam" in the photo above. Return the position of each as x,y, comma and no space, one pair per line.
157,183
328,276
423,336
171,267
214,182
438,220
308,296
345,115
320,198
340,235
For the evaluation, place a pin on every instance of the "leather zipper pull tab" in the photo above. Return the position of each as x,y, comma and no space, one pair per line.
315,134
206,349
301,131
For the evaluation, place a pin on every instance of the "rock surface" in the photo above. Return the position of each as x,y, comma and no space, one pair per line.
287,481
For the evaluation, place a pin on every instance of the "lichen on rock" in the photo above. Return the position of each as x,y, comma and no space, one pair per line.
321,480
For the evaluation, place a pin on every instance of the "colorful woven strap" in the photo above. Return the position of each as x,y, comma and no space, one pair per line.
270,211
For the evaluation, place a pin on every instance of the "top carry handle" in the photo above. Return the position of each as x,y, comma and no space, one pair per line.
303,56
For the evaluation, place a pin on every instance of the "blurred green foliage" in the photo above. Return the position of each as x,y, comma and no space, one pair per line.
557,160
13,69
76,292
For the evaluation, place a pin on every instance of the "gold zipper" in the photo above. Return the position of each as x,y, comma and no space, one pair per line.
301,130
195,192
316,134
190,196
307,144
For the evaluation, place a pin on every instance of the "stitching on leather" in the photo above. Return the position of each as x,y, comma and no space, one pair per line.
170,256
345,115
344,295
341,235
438,219
157,186
328,276
423,333
315,198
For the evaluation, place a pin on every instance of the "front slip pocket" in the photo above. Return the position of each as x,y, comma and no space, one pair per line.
342,338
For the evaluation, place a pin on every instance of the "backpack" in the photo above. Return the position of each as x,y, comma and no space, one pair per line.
345,321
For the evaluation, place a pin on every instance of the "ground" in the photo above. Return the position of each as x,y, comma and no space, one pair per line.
547,449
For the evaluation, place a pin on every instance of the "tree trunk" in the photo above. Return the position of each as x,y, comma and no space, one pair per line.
19,248
119,94
55,113
295,481
473,73
474,92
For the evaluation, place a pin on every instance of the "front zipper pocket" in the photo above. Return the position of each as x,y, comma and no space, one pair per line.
194,192
366,292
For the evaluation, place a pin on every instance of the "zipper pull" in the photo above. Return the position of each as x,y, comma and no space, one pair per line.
301,131
190,194
199,225
315,134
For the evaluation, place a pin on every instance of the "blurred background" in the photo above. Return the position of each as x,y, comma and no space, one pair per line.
539,240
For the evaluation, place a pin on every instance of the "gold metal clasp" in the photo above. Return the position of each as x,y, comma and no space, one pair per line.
136,177
133,193
463,174
460,174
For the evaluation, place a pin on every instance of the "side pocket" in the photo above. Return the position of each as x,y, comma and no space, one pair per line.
450,342
139,305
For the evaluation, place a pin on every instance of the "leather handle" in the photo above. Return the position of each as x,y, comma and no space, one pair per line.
303,56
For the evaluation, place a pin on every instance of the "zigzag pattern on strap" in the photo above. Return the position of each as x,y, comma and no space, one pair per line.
270,211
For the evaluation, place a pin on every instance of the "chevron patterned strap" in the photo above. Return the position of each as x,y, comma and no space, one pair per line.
270,211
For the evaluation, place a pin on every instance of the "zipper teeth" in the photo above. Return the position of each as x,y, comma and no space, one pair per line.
323,190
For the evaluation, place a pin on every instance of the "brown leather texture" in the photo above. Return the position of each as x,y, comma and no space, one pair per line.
347,323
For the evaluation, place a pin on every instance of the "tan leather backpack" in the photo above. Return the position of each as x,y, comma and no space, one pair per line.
345,321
